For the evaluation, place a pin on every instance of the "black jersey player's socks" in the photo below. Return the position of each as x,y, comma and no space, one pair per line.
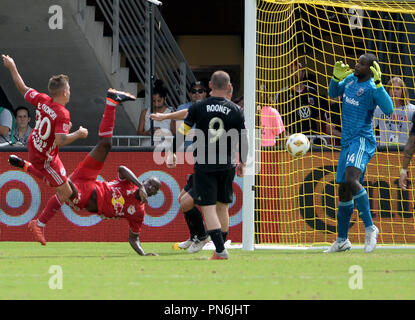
224,235
216,236
196,219
190,225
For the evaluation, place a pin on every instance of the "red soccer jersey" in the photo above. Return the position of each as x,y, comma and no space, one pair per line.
51,118
116,199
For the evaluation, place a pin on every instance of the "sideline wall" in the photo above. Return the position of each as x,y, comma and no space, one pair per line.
22,198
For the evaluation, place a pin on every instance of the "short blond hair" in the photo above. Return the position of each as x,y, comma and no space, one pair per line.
57,83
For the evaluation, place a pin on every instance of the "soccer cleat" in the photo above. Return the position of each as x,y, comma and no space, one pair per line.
198,245
37,232
220,255
371,239
120,96
15,161
182,245
340,246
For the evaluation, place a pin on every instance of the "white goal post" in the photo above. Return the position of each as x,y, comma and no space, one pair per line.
248,205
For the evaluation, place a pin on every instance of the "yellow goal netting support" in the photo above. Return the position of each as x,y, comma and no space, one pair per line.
297,44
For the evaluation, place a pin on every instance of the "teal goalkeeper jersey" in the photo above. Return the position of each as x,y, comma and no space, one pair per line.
358,106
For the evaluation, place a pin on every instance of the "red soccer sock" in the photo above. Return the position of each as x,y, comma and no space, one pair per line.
50,210
106,127
34,172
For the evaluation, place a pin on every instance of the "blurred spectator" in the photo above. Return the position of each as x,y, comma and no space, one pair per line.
161,128
240,102
7,124
22,129
301,107
271,124
394,129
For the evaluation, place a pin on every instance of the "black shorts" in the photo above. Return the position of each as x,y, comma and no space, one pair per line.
213,186
189,187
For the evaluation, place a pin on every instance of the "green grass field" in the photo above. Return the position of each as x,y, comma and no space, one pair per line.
114,271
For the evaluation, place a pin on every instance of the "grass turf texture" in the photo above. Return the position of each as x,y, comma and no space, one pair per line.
115,271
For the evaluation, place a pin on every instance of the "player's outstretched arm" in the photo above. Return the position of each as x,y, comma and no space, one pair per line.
62,139
134,240
177,115
17,79
383,100
126,174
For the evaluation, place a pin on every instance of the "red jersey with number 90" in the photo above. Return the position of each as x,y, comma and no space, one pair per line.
51,118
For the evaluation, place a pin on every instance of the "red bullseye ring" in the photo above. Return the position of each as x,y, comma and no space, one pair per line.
237,206
14,184
168,200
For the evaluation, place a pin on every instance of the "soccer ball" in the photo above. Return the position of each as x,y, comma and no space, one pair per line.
297,145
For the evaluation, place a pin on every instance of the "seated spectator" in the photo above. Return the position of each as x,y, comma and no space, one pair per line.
394,129
22,129
161,128
7,124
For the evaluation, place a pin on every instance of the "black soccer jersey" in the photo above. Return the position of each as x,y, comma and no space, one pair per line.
219,123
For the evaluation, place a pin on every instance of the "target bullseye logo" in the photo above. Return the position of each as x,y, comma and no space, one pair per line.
162,208
19,198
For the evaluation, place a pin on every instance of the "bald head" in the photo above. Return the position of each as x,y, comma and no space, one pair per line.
220,80
152,185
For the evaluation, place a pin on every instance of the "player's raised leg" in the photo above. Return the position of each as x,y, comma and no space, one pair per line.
106,127
26,166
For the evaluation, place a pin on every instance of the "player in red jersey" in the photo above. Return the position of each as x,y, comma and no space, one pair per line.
50,132
124,197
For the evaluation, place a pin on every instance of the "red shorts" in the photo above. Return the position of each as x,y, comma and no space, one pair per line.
54,173
84,179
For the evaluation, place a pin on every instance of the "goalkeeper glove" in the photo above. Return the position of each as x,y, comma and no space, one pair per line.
376,74
341,71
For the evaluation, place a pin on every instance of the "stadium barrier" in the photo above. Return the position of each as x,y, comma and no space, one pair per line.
22,199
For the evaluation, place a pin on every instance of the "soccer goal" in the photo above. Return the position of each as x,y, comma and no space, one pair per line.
292,202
